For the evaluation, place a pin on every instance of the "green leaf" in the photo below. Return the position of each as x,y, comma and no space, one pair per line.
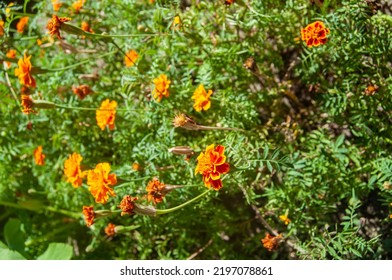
7,254
14,236
57,251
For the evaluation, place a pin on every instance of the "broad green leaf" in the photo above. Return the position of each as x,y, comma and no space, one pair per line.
57,251
7,254
14,236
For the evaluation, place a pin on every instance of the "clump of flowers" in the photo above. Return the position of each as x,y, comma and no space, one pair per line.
271,242
161,87
54,25
285,219
315,34
73,171
127,205
99,181
23,72
20,26
212,164
89,215
201,99
39,157
130,58
106,114
82,91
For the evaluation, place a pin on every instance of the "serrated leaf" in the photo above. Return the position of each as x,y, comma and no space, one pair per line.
57,251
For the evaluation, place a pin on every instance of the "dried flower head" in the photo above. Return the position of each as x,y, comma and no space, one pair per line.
212,164
89,215
127,205
73,171
110,229
23,72
39,157
314,34
271,242
155,191
20,26
82,91
130,58
161,87
285,219
106,114
56,5
99,181
27,104
10,54
201,99
54,25
182,120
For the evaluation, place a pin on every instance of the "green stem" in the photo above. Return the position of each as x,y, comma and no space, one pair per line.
203,127
94,109
166,211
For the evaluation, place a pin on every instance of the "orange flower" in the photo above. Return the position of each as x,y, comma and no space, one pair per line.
110,230
106,114
315,34
54,25
72,170
127,205
77,5
229,2
24,72
20,26
130,58
89,215
86,27
271,242
82,91
161,87
212,164
176,25
56,5
285,219
155,191
10,54
27,104
1,27
99,180
39,157
202,99
135,166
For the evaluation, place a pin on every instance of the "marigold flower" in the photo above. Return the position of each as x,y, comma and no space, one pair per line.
10,54
314,34
212,164
130,58
161,87
27,104
285,219
127,205
155,191
86,27
20,26
99,180
23,72
202,99
39,157
371,90
106,114
56,5
77,5
73,171
110,229
82,91
89,215
229,2
1,27
176,25
271,242
54,25
135,166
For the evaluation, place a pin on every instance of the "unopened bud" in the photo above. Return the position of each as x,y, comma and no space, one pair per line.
182,150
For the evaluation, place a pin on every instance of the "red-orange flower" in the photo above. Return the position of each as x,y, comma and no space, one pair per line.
106,114
77,5
73,171
82,91
212,164
23,72
202,99
10,54
155,191
99,181
110,229
27,104
1,27
89,215
127,205
130,58
229,2
161,87
86,27
54,25
39,157
271,242
20,26
315,34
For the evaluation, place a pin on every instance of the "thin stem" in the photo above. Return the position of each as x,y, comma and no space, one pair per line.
94,109
166,211
219,128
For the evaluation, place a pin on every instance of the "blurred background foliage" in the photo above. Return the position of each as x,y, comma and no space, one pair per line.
316,128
